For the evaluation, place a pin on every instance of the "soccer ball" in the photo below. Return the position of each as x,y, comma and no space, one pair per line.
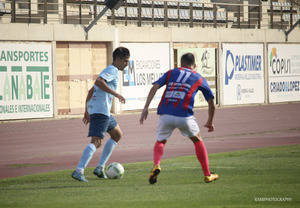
114,170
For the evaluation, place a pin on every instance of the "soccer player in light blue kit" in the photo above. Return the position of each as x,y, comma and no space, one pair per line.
97,113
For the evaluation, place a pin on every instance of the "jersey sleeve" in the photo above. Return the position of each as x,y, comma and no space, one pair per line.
206,91
162,80
108,74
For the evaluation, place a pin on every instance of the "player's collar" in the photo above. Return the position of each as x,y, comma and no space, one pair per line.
181,68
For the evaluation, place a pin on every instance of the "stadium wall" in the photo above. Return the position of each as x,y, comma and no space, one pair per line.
77,59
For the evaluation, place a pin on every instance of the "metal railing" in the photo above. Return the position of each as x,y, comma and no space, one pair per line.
153,13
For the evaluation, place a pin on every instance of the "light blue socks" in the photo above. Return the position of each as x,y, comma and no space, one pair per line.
89,152
86,157
107,150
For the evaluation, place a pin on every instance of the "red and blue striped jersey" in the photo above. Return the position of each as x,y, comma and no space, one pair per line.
182,84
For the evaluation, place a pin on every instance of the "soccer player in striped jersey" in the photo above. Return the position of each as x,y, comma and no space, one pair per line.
176,111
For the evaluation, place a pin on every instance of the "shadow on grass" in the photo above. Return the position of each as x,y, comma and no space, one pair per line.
82,185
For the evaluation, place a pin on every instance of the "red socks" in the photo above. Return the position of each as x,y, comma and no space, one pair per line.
200,152
202,157
158,152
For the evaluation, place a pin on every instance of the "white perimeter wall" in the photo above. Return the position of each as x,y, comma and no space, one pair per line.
118,34
49,32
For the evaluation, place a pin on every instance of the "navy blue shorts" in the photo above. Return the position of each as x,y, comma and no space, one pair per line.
100,124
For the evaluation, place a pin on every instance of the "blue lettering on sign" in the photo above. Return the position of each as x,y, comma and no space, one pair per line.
129,74
227,77
240,63
285,86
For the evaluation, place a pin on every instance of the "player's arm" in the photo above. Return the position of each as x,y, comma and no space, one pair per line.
211,113
209,97
150,96
86,117
89,96
101,83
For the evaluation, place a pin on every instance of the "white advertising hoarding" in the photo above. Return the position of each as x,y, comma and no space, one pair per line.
25,80
284,72
242,74
148,61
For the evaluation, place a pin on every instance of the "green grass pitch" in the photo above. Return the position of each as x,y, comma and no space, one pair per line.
267,177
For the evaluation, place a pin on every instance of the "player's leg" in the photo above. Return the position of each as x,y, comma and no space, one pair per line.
202,156
115,133
164,131
87,155
201,153
97,129
189,127
158,152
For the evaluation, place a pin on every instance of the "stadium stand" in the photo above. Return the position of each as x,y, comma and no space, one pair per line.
192,13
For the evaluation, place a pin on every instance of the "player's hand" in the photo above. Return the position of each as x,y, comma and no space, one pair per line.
86,118
121,98
144,116
210,127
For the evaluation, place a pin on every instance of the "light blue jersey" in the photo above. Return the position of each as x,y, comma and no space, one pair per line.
101,101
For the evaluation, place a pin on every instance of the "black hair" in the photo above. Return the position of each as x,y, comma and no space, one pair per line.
121,52
187,59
